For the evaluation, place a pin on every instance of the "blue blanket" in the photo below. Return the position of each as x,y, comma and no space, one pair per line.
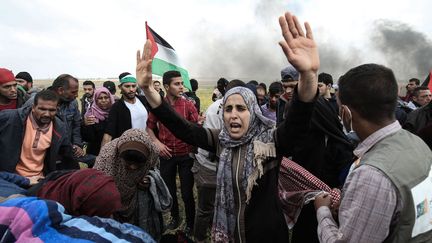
30,219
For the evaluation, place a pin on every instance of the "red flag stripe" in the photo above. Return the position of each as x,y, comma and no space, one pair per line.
430,81
151,38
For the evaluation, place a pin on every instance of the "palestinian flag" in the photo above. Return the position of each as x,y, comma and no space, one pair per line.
428,81
165,57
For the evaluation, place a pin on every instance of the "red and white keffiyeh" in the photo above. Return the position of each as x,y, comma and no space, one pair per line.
298,187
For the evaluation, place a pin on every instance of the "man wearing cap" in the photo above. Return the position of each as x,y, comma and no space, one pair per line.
25,81
10,96
290,78
129,112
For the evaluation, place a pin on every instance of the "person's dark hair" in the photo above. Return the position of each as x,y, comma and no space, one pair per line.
264,86
194,84
416,80
222,81
133,156
88,82
371,90
275,87
253,82
235,83
168,76
417,90
46,95
325,78
62,81
156,81
124,74
253,88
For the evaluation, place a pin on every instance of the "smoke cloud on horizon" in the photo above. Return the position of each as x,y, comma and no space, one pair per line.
254,53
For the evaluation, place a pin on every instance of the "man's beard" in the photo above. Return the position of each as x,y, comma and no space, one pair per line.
64,100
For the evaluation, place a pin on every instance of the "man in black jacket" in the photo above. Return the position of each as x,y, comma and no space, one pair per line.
129,112
87,99
33,140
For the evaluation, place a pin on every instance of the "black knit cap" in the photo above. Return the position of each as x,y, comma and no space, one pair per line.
110,85
25,75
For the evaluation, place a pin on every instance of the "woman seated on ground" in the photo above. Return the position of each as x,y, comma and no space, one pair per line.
95,119
131,159
247,207
82,192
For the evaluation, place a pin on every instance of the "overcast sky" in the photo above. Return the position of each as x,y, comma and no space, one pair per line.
214,38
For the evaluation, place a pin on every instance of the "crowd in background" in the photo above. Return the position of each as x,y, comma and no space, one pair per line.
354,147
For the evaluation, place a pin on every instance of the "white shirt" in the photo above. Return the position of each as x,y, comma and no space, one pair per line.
412,105
139,114
213,120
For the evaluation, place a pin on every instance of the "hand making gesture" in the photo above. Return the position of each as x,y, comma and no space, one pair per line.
144,75
302,52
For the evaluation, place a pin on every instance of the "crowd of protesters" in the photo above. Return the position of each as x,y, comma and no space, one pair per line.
304,160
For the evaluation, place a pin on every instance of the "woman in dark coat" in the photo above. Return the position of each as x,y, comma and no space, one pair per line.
247,207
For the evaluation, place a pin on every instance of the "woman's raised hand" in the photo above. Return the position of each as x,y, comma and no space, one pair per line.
144,66
301,51
144,75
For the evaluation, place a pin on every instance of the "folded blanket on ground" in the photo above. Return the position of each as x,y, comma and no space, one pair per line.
297,187
30,219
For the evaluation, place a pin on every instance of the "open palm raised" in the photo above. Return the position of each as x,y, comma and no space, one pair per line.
144,66
299,48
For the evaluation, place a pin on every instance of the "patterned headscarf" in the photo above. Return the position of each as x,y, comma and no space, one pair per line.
126,180
95,110
297,187
260,132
